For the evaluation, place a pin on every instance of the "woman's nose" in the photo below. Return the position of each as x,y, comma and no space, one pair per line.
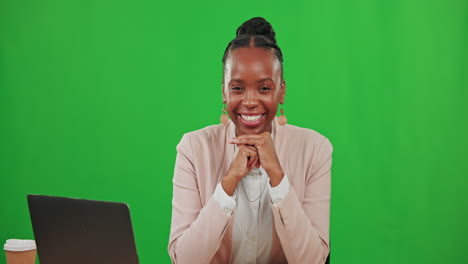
250,102
250,99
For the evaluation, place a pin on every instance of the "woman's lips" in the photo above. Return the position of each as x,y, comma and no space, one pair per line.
251,120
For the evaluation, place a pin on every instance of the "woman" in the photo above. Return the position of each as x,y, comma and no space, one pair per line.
253,189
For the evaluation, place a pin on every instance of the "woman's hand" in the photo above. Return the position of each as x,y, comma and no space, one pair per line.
266,154
245,160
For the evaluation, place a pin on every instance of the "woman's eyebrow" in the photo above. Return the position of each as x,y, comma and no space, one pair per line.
259,81
265,79
237,80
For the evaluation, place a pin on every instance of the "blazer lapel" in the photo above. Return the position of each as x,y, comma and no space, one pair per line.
281,146
228,154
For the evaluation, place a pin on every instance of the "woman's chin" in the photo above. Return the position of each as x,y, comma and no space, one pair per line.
249,129
248,132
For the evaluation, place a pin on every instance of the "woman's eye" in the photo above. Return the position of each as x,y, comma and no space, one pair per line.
236,88
264,88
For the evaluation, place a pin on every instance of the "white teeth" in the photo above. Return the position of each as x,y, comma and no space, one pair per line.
251,118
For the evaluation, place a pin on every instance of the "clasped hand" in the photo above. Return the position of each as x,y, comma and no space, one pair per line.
255,151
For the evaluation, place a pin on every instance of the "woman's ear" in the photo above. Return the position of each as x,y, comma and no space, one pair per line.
223,93
282,91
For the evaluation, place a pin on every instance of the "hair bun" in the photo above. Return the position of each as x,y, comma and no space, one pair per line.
257,26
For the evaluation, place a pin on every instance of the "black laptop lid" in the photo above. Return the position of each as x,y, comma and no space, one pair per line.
76,231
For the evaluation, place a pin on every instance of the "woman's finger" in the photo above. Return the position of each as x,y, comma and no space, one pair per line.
253,155
252,141
249,161
247,151
255,161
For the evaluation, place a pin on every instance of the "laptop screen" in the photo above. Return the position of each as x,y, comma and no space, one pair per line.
77,231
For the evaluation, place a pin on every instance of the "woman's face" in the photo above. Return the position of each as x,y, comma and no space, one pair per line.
252,89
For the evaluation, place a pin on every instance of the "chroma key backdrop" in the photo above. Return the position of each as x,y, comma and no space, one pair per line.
96,94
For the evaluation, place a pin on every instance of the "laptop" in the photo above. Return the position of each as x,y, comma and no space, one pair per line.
77,231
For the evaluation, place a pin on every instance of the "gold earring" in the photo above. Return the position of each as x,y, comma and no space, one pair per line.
224,116
282,120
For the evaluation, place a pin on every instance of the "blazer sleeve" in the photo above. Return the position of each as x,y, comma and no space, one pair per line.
303,228
196,230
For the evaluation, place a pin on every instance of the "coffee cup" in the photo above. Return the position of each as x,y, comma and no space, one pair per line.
20,251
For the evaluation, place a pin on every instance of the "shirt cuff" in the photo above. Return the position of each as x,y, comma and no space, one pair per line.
279,192
226,202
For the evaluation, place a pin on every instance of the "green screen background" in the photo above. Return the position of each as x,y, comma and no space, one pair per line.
95,96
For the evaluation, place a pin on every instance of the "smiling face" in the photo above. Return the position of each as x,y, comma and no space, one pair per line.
252,89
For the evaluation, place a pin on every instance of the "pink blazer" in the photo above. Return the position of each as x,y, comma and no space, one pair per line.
201,232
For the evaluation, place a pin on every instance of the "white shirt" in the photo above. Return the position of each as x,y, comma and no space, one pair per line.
253,223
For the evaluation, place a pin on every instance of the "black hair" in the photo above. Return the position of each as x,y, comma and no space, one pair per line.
259,32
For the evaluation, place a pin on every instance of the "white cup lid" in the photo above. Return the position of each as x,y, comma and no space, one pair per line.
19,245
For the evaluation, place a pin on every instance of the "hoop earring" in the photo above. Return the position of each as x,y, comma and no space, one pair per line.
224,116
282,120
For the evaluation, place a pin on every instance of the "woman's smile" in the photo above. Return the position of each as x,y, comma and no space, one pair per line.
251,120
